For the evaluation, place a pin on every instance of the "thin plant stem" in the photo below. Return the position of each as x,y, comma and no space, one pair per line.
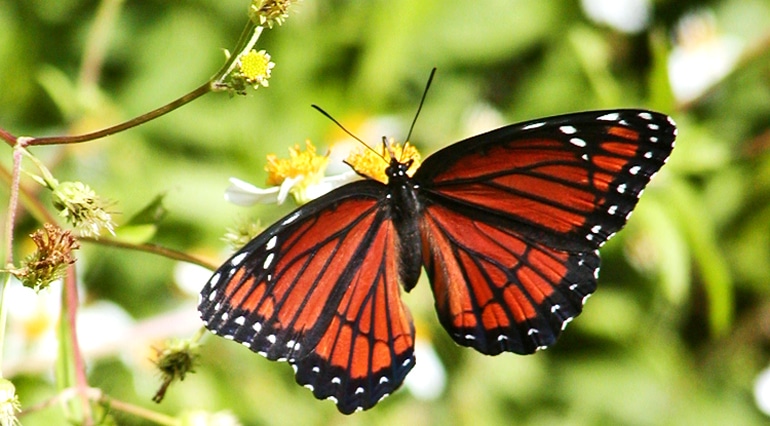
9,227
55,140
8,137
151,248
71,371
246,42
96,395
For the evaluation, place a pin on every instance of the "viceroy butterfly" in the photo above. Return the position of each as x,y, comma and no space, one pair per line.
506,224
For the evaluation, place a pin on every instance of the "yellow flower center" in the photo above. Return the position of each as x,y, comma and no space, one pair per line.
256,66
300,163
374,162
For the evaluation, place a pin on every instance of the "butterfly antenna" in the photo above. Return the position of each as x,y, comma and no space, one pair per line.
419,108
327,115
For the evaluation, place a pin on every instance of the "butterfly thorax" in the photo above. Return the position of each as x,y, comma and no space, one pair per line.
404,207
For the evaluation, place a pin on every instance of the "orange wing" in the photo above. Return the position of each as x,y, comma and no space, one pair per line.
496,291
319,289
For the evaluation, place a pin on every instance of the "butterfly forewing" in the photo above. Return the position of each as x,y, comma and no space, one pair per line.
319,289
568,181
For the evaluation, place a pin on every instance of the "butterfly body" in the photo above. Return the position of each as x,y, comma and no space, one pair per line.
506,225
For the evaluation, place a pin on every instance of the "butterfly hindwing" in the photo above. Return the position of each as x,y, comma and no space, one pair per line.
496,291
319,289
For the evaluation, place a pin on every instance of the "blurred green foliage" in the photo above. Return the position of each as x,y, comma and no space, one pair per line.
680,325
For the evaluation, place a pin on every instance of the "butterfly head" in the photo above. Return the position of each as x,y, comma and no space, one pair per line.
378,164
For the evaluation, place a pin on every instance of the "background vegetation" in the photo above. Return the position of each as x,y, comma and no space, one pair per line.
677,332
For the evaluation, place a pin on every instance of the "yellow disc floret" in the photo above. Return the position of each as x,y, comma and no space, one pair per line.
373,162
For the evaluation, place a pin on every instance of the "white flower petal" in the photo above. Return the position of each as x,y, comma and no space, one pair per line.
245,194
286,186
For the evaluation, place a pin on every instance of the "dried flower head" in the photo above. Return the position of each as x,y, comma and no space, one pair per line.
369,162
49,262
80,206
174,361
269,12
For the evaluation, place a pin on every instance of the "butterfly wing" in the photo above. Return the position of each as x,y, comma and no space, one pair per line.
319,289
512,220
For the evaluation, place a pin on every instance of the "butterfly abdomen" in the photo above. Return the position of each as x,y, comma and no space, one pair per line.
405,209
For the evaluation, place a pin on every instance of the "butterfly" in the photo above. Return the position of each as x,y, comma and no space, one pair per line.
506,224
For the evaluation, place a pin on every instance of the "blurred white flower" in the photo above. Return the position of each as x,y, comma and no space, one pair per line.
701,56
762,391
32,344
628,16
427,379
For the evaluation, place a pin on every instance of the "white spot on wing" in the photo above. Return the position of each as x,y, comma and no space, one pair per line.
240,320
309,386
316,369
268,261
237,259
291,218
384,379
645,115
271,338
612,209
568,130
533,126
257,327
359,391
214,280
613,116
634,170
578,142
621,188
336,380
271,243
212,296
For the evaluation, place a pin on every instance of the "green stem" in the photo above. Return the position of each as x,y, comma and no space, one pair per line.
71,370
246,42
151,248
55,140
